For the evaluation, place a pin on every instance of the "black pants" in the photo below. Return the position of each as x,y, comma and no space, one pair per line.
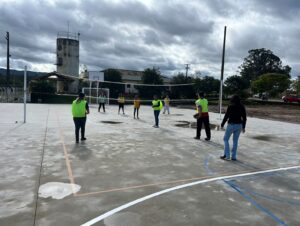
121,106
205,121
101,104
136,110
79,124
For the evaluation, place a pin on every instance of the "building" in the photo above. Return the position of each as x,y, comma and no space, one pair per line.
67,60
131,77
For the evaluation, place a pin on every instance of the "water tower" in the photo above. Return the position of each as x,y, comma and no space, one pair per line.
67,55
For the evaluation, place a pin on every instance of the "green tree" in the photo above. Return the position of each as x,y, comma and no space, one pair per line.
208,85
151,76
236,85
262,61
296,85
113,75
271,83
182,91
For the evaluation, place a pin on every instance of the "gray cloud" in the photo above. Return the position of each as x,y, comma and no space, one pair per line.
166,34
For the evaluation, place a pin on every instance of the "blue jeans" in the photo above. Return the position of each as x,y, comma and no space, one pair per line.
156,114
234,129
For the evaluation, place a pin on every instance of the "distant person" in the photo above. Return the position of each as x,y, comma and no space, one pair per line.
202,116
121,101
80,109
236,116
102,101
136,105
167,105
157,105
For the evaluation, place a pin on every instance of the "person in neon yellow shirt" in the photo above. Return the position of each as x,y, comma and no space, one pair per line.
136,105
202,116
80,109
167,104
121,101
157,105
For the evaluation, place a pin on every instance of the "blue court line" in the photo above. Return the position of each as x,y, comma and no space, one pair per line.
206,163
257,205
281,200
247,197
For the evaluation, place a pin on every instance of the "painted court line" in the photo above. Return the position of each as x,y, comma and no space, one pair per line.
68,162
127,205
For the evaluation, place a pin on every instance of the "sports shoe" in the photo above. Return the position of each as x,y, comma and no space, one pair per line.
233,159
83,138
207,139
197,138
155,126
224,158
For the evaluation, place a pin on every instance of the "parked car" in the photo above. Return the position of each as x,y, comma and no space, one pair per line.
289,99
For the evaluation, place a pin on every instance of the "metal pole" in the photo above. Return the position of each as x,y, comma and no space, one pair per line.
222,73
90,92
25,92
97,92
7,65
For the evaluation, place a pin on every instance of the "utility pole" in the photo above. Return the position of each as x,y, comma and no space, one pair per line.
186,70
222,73
7,57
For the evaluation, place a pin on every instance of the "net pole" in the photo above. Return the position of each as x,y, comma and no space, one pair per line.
90,93
25,92
97,92
222,73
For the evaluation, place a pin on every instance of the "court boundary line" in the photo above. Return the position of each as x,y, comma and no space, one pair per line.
142,199
67,160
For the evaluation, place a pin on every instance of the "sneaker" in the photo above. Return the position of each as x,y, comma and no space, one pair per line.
207,139
83,138
233,159
224,158
77,141
155,126
197,138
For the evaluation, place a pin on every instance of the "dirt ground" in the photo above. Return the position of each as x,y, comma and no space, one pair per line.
284,113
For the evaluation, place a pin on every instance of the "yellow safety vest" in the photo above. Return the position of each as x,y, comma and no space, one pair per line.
156,102
121,100
203,103
78,109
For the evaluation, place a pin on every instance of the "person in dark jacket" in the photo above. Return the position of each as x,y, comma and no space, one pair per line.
236,117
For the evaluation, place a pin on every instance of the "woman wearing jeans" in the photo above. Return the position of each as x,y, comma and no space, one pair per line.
236,116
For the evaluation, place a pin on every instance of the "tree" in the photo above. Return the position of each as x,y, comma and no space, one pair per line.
262,61
271,83
207,84
236,85
113,75
151,76
182,91
296,85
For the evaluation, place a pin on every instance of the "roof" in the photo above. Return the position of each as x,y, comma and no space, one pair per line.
56,75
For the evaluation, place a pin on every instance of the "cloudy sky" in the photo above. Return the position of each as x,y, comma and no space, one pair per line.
136,34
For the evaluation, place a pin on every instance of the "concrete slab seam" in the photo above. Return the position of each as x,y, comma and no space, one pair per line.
41,169
137,201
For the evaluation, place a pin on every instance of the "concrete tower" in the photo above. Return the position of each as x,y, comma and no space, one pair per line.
67,54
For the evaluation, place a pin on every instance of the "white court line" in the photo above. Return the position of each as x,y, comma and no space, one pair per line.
127,205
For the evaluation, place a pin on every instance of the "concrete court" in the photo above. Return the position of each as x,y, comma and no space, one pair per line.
122,162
